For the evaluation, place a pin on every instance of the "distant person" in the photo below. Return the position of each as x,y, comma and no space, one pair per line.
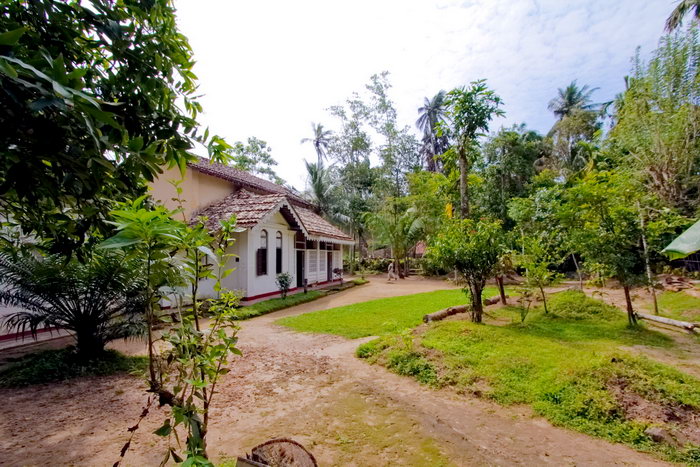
392,273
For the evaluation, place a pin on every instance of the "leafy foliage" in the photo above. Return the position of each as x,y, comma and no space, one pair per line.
60,365
283,281
474,250
99,301
91,95
657,117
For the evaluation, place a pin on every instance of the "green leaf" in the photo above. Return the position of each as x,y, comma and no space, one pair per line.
7,69
165,429
11,37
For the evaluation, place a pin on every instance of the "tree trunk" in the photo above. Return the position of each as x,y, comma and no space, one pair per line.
501,289
463,188
88,344
647,264
477,305
631,317
544,300
578,272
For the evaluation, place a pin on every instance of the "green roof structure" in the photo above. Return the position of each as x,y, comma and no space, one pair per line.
685,244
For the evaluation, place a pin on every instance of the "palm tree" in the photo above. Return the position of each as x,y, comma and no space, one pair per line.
675,19
99,301
431,114
570,98
321,140
321,193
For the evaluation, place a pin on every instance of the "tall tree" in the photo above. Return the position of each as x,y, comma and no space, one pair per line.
321,140
657,120
430,116
255,157
570,98
507,167
470,109
675,19
321,190
96,97
571,138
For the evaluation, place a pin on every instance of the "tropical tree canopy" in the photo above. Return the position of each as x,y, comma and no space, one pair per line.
91,94
570,98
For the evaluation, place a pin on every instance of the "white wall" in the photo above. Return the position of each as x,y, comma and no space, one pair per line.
258,285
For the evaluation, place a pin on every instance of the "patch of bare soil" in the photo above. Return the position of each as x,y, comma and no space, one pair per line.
306,387
680,423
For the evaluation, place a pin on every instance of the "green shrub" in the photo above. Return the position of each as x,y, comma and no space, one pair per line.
283,281
371,349
412,364
64,364
574,304
359,281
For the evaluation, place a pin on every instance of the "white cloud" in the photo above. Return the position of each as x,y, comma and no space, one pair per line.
269,68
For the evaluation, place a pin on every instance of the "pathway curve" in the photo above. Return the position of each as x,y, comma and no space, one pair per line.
309,387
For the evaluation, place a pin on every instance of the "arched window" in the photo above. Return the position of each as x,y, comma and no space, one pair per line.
278,253
261,255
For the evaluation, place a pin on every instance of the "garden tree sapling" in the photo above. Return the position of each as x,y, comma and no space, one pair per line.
473,248
539,259
146,234
185,374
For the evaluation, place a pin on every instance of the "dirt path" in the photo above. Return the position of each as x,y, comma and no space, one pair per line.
305,386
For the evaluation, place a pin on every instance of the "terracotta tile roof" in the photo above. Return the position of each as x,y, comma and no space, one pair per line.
245,179
248,208
251,208
318,226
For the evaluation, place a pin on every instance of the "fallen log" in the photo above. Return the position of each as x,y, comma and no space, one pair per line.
493,300
444,313
671,322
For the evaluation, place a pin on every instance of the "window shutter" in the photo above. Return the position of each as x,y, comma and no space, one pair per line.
261,261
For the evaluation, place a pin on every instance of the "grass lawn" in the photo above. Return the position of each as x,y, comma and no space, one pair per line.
678,305
566,365
275,304
378,317
60,365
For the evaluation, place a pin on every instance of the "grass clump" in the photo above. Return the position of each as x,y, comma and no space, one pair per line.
275,304
678,305
60,365
359,281
567,365
377,317
574,304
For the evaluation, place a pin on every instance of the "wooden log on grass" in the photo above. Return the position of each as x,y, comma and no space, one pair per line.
444,313
493,300
671,322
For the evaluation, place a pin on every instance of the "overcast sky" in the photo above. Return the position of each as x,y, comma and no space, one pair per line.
270,68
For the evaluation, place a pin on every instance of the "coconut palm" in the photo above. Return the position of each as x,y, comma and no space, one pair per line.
99,301
675,19
430,115
570,98
320,140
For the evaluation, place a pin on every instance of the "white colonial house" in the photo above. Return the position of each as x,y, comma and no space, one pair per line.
283,232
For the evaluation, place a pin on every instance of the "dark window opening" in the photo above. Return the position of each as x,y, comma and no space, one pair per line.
278,256
261,255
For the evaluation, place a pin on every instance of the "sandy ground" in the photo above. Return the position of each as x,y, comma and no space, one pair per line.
308,387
